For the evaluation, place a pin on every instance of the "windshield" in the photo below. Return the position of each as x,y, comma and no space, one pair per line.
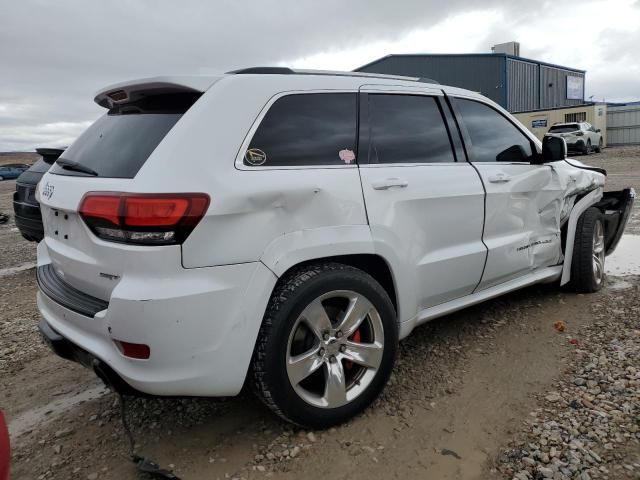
119,143
564,128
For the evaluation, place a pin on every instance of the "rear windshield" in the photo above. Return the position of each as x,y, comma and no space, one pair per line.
564,128
118,144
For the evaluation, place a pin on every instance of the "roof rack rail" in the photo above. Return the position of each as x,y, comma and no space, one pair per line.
263,70
290,71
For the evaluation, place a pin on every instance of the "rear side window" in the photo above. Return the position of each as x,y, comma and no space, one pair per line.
306,130
407,129
119,143
493,137
564,128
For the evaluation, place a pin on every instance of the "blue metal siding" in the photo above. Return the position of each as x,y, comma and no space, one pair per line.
523,86
516,83
484,74
553,91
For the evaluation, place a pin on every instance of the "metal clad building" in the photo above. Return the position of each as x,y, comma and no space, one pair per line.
623,124
518,84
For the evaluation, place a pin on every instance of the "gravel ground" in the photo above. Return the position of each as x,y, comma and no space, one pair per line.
588,423
494,391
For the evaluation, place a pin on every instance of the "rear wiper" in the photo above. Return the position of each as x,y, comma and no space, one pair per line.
75,166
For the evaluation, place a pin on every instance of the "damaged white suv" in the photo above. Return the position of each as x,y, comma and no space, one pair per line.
286,229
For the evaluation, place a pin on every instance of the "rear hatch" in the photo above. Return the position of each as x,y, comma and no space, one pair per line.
96,224
565,130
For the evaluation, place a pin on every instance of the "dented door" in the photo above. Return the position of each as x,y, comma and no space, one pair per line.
424,201
522,226
523,200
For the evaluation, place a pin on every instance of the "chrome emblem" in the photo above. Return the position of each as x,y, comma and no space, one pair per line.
47,191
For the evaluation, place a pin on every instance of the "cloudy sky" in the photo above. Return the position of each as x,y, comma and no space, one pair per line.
54,55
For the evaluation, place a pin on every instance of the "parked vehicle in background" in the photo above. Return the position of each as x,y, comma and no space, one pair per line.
580,136
5,450
322,217
25,206
12,170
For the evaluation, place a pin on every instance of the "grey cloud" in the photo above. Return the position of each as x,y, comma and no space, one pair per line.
55,55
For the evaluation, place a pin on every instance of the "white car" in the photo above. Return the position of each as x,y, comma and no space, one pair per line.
580,136
287,228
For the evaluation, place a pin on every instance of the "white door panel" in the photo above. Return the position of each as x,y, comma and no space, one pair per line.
523,199
433,223
522,229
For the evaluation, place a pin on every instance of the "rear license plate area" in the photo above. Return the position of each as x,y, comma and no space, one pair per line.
58,224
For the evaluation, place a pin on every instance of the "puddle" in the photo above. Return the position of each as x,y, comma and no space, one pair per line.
625,260
37,417
5,272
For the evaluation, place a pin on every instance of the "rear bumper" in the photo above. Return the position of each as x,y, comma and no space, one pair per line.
577,146
201,338
70,351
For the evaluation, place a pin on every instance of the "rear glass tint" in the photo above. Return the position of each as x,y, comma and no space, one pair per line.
306,129
564,128
119,143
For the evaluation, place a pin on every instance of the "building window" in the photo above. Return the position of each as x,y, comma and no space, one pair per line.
575,117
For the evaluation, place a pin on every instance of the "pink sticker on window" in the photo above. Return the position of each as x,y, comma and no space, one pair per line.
347,156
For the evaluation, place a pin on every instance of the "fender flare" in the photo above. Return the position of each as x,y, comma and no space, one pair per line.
578,209
304,245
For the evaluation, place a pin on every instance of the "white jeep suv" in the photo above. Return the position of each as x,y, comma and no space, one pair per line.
287,228
580,137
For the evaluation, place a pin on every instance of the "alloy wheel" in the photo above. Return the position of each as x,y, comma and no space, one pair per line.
598,252
335,348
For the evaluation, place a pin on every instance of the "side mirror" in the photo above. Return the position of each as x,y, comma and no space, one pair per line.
597,130
553,149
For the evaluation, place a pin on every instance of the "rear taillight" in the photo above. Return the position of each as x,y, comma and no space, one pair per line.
143,219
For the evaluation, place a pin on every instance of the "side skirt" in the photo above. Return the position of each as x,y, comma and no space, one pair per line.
548,274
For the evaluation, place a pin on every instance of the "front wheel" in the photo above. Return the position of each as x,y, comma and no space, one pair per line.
587,265
326,347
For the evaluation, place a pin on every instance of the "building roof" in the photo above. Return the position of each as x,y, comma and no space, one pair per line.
475,55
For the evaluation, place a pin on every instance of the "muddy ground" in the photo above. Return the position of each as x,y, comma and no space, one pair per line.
472,397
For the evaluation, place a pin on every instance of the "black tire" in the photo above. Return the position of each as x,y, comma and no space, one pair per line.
584,278
294,292
599,147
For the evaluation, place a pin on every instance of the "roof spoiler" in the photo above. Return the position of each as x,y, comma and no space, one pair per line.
125,92
50,155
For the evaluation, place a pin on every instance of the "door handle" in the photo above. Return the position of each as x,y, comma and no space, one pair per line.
388,183
499,178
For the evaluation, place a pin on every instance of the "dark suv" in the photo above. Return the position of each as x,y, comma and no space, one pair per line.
25,206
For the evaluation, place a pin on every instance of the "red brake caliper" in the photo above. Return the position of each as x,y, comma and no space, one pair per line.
356,337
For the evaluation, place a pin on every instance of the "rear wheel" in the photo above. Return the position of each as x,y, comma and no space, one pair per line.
599,147
326,346
587,265
1,178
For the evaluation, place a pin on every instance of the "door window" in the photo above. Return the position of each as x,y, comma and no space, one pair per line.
306,130
407,129
493,137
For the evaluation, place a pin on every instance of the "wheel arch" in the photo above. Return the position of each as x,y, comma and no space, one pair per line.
370,263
